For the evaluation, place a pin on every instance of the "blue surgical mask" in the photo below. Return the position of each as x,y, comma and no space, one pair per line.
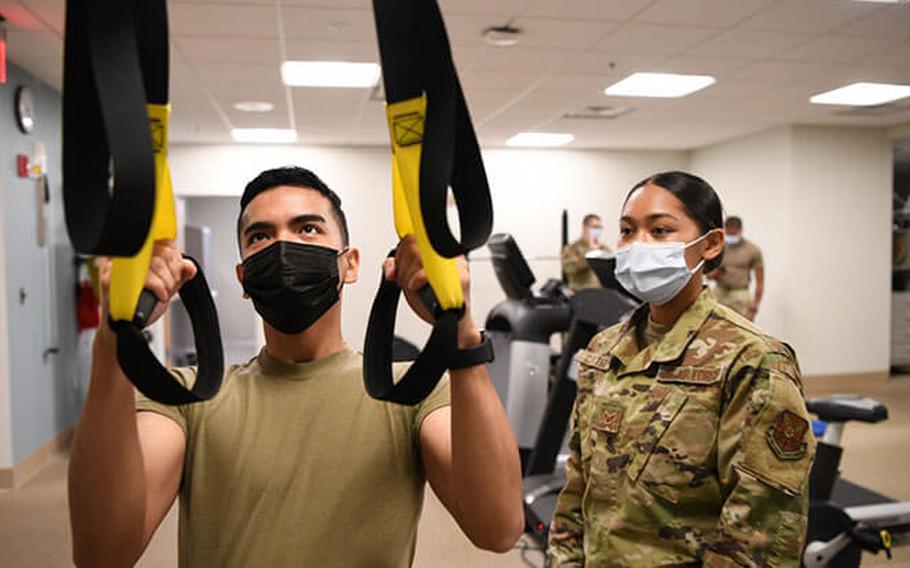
733,240
654,272
594,233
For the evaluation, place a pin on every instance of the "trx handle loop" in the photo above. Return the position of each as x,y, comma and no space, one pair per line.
433,360
118,193
148,374
434,148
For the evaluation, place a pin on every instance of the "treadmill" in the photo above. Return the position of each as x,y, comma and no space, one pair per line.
520,328
593,309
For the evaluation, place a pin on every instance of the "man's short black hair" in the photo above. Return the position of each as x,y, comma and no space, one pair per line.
295,177
590,217
733,222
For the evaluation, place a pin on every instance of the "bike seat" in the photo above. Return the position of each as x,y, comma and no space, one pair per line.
846,407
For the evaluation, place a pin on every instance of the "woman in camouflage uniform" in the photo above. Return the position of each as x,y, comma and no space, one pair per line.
691,443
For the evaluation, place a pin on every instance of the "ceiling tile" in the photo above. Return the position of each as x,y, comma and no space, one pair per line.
229,50
18,17
482,7
720,13
590,10
619,66
719,67
328,24
810,16
523,59
565,34
647,39
837,49
748,44
50,12
238,20
356,4
326,50
896,55
887,21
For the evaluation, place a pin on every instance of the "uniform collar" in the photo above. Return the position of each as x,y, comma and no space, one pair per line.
671,346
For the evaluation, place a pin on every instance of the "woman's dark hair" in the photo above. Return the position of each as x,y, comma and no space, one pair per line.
698,198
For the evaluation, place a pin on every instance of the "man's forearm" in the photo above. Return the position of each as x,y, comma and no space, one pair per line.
107,487
485,463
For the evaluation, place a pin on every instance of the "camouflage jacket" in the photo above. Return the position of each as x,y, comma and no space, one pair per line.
694,451
576,267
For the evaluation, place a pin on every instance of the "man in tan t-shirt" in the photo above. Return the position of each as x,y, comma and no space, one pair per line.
574,264
291,463
741,258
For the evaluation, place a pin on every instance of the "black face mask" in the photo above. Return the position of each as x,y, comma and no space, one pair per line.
292,284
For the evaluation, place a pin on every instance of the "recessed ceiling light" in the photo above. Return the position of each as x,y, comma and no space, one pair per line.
264,135
664,85
502,36
862,94
254,106
539,139
329,74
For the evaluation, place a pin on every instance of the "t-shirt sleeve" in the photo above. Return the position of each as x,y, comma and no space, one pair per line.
757,261
179,414
440,397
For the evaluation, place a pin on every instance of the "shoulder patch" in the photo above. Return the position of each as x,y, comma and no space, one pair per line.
787,435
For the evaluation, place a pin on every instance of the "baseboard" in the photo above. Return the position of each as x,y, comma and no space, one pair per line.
845,383
22,472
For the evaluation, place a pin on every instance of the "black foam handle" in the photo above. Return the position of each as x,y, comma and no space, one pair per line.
144,308
144,370
434,359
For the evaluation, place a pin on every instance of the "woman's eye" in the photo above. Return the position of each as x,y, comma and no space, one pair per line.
625,231
660,231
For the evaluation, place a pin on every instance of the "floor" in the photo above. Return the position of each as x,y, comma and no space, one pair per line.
34,529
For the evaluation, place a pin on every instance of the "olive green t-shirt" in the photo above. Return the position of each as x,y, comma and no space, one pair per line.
293,464
739,262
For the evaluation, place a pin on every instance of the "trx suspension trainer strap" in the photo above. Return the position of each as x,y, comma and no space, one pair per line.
117,190
433,148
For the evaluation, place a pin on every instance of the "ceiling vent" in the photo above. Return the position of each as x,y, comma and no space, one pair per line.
599,112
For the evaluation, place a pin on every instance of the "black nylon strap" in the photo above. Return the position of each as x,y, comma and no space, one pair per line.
150,376
425,372
117,61
416,58
105,131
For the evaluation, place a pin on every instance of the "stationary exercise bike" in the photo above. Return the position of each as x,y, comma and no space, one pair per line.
844,518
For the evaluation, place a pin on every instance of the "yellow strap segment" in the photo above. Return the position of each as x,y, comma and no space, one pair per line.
129,273
406,126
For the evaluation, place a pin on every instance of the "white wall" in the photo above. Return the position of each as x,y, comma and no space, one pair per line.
817,200
752,175
842,186
530,189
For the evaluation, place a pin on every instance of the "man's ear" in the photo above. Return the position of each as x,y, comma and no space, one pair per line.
350,266
239,271
714,244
